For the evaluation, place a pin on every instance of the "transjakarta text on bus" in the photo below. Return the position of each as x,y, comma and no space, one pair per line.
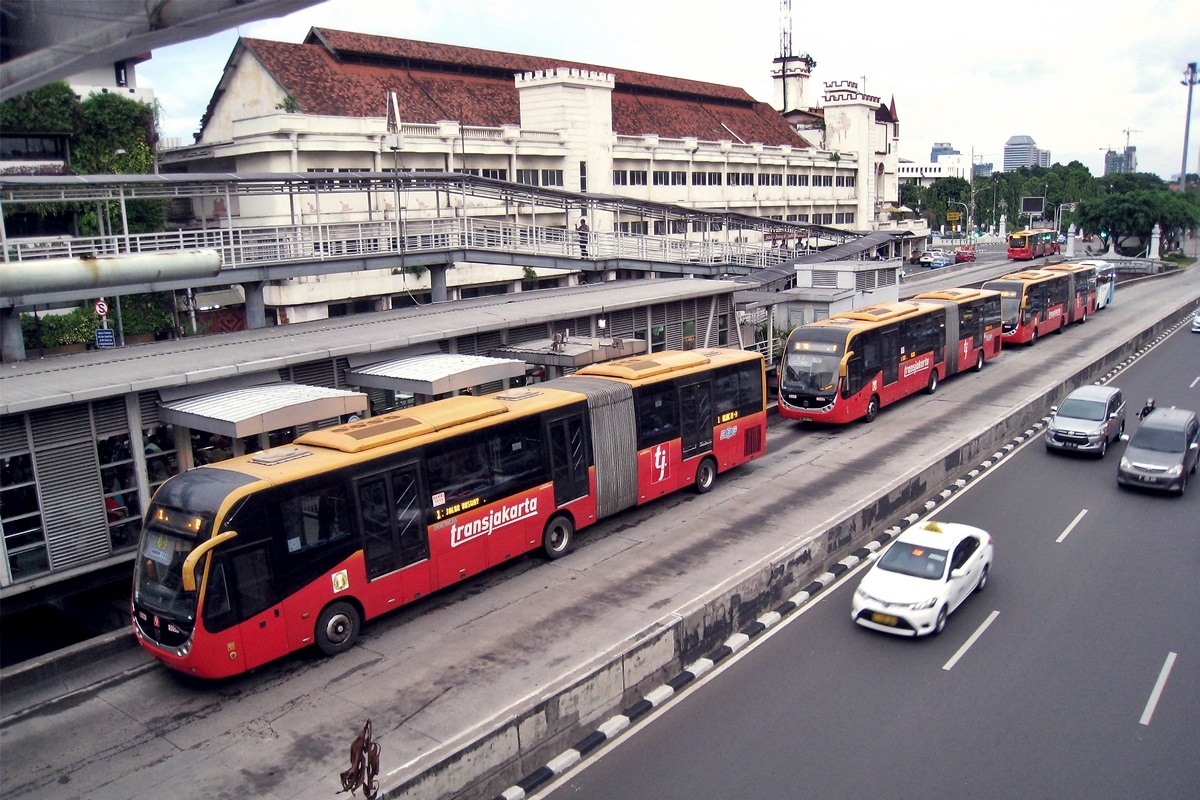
244,561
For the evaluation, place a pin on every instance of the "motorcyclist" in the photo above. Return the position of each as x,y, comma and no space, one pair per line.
1146,409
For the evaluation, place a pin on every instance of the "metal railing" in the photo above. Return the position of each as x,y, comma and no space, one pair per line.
307,242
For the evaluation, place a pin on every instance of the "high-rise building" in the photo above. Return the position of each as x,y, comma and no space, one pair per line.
1116,162
942,149
1022,151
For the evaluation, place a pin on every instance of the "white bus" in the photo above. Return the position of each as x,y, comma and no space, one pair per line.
1106,281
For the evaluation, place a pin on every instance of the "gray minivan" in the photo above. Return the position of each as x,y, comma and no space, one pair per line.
1162,452
1088,419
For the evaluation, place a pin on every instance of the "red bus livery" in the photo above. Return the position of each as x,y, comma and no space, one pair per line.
852,364
1025,245
247,560
973,326
1033,303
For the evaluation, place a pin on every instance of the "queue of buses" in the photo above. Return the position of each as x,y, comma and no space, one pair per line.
851,365
246,560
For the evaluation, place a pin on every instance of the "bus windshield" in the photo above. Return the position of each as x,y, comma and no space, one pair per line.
1010,298
180,518
812,360
1017,240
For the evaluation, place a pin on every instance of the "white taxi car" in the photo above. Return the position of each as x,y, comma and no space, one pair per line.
922,577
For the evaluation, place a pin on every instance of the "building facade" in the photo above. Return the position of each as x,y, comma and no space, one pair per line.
1022,151
344,102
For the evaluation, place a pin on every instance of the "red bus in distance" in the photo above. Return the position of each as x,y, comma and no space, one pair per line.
1035,243
1033,303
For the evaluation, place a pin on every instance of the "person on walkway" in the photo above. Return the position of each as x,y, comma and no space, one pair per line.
583,229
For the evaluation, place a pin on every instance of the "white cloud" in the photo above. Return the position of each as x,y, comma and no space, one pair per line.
1072,74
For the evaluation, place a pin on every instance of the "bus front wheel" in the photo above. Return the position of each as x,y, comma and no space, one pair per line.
337,628
558,538
872,409
706,476
979,361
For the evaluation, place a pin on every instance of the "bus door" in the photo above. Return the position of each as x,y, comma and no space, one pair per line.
568,458
391,507
696,419
1035,306
241,589
890,340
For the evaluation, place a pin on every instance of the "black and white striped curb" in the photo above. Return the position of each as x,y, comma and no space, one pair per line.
614,726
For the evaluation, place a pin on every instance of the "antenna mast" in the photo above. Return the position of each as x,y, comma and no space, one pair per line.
785,28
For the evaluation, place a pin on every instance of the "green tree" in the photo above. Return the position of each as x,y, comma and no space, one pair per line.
1129,217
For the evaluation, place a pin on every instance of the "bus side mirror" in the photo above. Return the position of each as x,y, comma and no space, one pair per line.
189,563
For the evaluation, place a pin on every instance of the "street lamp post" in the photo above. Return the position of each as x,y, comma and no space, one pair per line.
1189,80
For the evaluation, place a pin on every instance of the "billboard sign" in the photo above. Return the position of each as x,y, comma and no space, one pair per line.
1034,206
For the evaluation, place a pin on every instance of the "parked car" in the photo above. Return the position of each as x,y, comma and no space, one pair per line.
1088,419
964,254
940,261
1162,452
922,577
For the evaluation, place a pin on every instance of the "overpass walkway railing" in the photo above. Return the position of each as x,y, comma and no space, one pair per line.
309,242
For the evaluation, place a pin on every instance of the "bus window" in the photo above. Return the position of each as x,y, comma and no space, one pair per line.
239,587
658,421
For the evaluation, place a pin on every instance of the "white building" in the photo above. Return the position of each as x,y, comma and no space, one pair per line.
323,106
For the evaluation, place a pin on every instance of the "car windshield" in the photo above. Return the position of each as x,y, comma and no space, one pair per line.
914,560
1075,408
1162,440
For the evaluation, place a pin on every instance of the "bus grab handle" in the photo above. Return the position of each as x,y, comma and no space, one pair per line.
189,563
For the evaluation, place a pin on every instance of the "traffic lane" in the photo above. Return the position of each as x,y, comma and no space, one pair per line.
1062,669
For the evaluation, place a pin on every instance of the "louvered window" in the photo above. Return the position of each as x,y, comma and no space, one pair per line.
20,507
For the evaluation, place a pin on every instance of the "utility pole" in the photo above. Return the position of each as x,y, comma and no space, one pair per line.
1189,80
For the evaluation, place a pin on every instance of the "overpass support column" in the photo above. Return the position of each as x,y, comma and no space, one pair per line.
437,282
13,343
256,315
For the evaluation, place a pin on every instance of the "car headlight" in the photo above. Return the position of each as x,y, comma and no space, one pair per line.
1175,471
1125,463
924,604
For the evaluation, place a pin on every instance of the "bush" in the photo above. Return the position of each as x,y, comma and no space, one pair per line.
59,330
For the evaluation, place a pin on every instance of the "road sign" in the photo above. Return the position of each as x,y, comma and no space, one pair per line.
101,308
1068,206
106,337
953,216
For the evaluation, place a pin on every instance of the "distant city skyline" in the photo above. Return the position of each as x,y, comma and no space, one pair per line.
996,88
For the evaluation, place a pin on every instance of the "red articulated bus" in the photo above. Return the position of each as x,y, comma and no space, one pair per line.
1033,303
973,326
1025,245
1081,292
244,561
852,364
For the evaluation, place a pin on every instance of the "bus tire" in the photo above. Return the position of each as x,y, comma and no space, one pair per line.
559,537
1083,319
872,409
979,361
933,382
1062,324
1033,337
706,475
337,628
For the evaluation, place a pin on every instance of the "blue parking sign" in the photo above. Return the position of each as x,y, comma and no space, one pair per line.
106,337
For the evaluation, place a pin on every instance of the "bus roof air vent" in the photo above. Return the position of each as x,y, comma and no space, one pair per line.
516,393
279,455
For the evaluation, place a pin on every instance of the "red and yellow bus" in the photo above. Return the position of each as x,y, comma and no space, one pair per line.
247,560
1035,243
852,364
973,326
1081,291
1032,303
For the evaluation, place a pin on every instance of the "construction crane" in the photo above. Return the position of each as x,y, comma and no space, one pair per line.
1128,131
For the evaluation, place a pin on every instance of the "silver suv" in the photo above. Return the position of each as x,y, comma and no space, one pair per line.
1088,419
1162,452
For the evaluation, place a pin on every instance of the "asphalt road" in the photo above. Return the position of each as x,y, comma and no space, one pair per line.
431,674
1092,598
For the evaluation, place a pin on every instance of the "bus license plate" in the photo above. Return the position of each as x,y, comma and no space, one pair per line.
883,619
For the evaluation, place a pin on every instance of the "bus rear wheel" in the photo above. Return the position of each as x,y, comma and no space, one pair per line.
872,409
706,475
558,538
933,382
337,628
979,361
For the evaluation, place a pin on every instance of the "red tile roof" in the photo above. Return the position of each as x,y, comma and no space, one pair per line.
349,74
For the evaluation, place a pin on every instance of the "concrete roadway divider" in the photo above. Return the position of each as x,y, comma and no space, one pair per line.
511,757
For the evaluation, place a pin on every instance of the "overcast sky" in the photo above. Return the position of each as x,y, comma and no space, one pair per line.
1073,74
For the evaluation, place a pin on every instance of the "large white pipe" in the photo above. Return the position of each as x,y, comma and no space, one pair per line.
129,269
